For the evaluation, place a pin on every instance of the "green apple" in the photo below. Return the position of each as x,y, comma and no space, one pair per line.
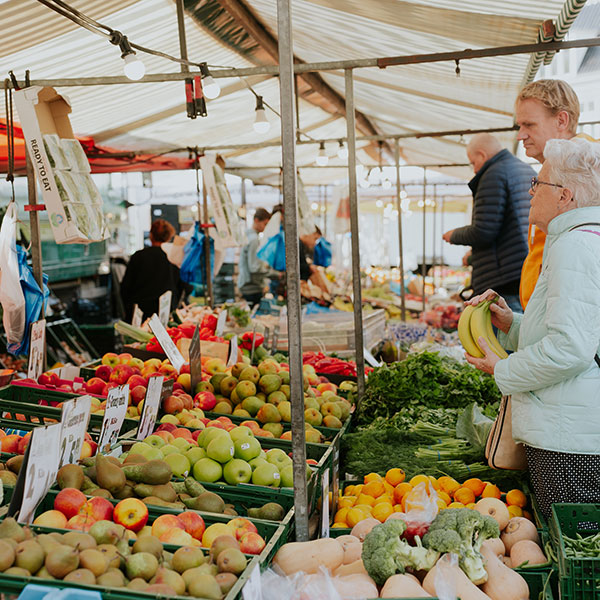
155,440
247,448
278,457
207,470
240,432
266,474
169,419
146,450
194,454
179,464
221,449
237,471
255,462
287,476
209,433
181,443
170,449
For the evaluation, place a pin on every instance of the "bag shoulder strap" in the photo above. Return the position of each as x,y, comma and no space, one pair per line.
583,225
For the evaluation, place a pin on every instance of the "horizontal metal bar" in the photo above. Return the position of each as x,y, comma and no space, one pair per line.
381,63
232,169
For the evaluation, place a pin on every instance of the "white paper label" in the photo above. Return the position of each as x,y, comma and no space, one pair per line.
371,359
151,406
167,344
276,476
42,466
37,349
138,315
233,351
253,588
245,446
114,415
325,505
220,328
164,307
74,421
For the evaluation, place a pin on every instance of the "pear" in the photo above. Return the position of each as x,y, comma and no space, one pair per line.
191,574
8,478
220,543
14,463
9,528
94,560
112,555
187,557
205,586
61,561
165,491
126,492
134,459
206,502
231,560
153,472
148,544
100,492
271,511
30,555
47,542
79,540
7,555
142,564
113,578
226,581
107,532
171,578
17,572
70,476
43,574
81,576
108,475
138,584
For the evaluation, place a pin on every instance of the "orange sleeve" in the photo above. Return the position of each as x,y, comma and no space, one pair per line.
532,265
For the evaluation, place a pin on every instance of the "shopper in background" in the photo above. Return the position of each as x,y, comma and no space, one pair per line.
554,374
498,230
545,109
307,246
149,274
253,271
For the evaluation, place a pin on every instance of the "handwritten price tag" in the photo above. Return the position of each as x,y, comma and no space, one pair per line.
151,406
37,349
233,351
371,359
221,323
164,307
74,421
138,315
114,415
164,339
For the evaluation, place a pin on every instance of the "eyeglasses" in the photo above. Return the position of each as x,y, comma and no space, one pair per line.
535,182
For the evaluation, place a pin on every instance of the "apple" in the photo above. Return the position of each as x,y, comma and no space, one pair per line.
121,373
169,419
177,537
154,440
165,435
287,476
182,443
313,416
255,462
252,425
193,523
182,432
131,513
164,523
136,363
179,464
247,448
23,443
80,523
266,474
103,371
88,449
173,405
95,385
169,371
48,378
137,394
10,443
194,454
65,387
252,543
51,518
153,363
125,357
147,451
185,380
278,457
170,427
111,359
207,470
214,366
221,449
242,526
136,380
237,471
69,501
99,509
204,386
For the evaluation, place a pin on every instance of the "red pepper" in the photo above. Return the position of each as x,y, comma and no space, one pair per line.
246,340
154,346
210,322
187,329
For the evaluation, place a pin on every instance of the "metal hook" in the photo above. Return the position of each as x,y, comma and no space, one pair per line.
457,70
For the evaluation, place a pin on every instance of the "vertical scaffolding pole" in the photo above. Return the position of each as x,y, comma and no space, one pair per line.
208,287
424,261
359,343
400,243
433,258
290,221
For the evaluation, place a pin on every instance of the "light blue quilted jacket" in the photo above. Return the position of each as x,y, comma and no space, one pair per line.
552,376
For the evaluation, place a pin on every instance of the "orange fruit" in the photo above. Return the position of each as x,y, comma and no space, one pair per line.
389,489
475,484
357,489
434,483
464,495
400,490
491,491
471,505
516,498
340,526
382,511
349,490
346,501
441,504
448,484
515,511
527,515
456,505
419,479
395,476
445,497
383,499
372,477
398,508
355,516
365,508
365,499
374,489
340,515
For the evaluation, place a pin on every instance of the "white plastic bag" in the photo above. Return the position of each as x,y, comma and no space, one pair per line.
11,294
445,586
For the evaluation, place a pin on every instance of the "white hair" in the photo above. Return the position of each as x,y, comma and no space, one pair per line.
575,164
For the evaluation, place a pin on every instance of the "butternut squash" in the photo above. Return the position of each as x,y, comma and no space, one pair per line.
403,586
309,556
363,527
352,548
465,589
503,583
498,545
527,551
519,528
355,586
492,507
506,560
353,568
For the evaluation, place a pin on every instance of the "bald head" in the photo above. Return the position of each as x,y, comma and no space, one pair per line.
481,148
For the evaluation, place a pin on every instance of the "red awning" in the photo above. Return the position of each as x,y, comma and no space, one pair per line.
102,159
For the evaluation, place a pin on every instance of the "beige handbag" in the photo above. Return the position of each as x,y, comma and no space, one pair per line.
501,450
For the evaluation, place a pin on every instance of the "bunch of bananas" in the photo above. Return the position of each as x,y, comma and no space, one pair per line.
476,322
341,304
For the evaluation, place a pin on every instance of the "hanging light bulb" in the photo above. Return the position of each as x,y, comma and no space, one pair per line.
364,183
133,68
374,175
322,158
403,194
379,203
261,124
342,151
386,184
210,87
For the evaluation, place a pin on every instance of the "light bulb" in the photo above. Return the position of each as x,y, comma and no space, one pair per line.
261,124
375,175
210,87
342,151
403,194
133,68
314,206
322,158
386,184
364,184
379,203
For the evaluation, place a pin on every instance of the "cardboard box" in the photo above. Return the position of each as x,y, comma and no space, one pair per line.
75,211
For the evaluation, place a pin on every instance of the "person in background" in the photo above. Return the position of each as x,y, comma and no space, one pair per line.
253,271
553,375
307,245
149,274
498,230
545,109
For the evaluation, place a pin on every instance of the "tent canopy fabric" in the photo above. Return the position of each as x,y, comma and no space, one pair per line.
151,117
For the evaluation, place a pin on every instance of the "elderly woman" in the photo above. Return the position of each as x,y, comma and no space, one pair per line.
553,375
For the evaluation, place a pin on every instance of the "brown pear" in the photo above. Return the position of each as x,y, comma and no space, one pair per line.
171,578
81,576
220,543
226,581
149,544
8,478
205,586
14,463
7,555
29,555
9,528
108,475
231,560
78,540
138,584
61,561
142,564
113,578
43,574
17,572
93,560
187,557
134,459
112,555
70,476
100,492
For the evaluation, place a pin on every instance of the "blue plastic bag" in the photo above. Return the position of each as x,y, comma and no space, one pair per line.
273,252
34,299
193,267
322,253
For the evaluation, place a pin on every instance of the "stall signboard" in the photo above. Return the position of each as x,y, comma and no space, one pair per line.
233,351
164,307
114,415
151,405
138,316
37,349
74,419
167,344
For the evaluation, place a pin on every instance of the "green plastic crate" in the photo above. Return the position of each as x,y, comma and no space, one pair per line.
579,578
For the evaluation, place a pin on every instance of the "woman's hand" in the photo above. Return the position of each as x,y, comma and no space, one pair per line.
488,362
502,315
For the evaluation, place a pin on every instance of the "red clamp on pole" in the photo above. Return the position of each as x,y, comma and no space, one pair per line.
199,101
30,207
207,225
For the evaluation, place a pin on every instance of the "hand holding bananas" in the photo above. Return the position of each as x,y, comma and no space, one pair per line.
502,315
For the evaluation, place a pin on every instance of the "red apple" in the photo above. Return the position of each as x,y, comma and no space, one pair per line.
185,368
177,387
111,359
188,403
97,508
103,371
88,448
173,405
51,518
138,393
252,543
23,443
69,501
242,526
182,432
217,424
166,427
95,385
225,420
193,523
169,371
10,443
80,523
195,434
131,513
120,374
125,357
48,378
65,387
164,523
136,380
165,435
205,400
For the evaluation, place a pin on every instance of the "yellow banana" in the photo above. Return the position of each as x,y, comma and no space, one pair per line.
481,326
464,333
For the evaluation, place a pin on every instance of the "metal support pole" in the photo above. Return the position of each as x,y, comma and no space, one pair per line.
359,343
400,243
433,257
243,193
442,229
208,287
423,264
292,261
34,224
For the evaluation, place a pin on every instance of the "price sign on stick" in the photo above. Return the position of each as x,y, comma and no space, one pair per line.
37,349
221,323
37,473
253,343
114,415
325,505
74,421
164,339
233,351
195,361
151,406
371,359
164,307
138,315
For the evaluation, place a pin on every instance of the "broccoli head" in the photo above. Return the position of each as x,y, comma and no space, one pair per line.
385,553
462,531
